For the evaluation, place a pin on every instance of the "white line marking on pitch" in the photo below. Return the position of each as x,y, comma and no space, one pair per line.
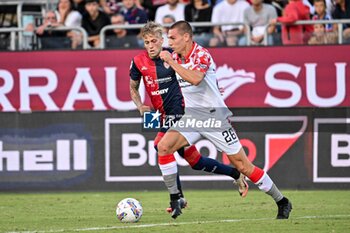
176,224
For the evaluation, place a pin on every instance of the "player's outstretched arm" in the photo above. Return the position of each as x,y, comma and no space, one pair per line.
194,77
135,96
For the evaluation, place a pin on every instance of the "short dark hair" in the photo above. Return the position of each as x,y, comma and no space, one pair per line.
183,27
170,17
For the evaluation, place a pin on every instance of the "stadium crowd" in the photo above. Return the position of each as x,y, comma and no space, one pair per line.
253,17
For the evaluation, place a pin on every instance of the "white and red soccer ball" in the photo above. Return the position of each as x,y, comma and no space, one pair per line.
129,210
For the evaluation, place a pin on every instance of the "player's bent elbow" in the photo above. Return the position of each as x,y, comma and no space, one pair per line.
196,82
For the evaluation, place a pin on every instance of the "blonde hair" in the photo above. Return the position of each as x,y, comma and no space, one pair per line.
152,28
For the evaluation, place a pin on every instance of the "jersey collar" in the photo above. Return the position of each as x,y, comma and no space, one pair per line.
194,45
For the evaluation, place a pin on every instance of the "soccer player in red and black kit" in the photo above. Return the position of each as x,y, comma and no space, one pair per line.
166,97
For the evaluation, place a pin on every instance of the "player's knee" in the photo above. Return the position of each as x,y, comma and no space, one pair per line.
163,148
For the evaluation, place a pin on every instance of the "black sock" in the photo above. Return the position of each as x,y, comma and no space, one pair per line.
174,197
213,166
283,201
179,186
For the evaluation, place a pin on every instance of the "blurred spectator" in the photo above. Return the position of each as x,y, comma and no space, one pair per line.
112,7
199,11
69,17
309,5
174,8
94,21
51,39
167,19
227,11
8,18
151,7
50,21
120,37
321,13
79,5
258,16
279,5
321,36
133,15
342,11
330,7
294,34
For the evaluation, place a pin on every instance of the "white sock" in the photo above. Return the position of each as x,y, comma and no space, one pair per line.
266,185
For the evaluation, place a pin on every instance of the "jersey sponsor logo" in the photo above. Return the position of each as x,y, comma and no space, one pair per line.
164,80
160,92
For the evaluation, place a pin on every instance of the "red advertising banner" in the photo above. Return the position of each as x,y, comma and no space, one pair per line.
279,77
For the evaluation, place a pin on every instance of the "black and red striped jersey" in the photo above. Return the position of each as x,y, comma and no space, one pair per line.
160,83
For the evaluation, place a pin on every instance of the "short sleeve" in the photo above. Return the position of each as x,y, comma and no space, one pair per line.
201,61
134,73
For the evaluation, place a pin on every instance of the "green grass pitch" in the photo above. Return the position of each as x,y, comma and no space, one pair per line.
207,211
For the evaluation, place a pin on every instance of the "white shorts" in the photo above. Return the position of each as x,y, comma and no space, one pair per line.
219,131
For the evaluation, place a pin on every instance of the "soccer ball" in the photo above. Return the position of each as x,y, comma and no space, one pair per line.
129,210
